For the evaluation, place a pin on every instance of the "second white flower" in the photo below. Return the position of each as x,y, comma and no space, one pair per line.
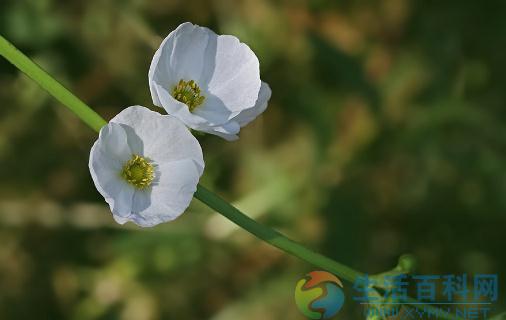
146,166
210,82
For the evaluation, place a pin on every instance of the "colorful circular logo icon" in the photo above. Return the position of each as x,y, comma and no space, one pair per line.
319,295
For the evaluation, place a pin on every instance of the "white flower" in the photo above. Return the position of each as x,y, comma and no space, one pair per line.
146,166
210,82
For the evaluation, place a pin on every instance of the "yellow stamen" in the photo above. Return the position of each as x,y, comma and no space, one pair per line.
188,92
138,171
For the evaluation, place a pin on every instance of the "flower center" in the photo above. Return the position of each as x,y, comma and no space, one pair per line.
138,171
188,92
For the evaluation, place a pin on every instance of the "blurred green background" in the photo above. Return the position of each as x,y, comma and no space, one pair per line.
385,135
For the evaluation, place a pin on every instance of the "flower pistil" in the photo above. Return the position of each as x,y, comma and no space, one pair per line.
138,171
188,92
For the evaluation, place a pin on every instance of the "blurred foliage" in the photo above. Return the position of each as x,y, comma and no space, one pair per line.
385,135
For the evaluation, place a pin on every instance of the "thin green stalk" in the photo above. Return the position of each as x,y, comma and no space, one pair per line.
95,121
273,237
53,87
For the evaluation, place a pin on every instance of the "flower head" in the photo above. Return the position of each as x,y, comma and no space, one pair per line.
146,166
210,82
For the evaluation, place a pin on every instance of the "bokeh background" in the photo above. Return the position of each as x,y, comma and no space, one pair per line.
385,135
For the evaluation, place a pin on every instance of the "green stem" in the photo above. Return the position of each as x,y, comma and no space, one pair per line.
95,121
53,87
273,237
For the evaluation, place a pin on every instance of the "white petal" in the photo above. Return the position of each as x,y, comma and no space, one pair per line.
120,220
226,136
212,112
176,108
227,131
106,158
226,70
248,115
230,129
113,142
236,77
186,53
164,138
177,157
169,197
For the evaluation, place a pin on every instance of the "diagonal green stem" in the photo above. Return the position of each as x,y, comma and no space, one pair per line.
273,237
53,87
95,121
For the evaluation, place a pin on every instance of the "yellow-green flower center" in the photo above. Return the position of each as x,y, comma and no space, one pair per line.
138,171
188,92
